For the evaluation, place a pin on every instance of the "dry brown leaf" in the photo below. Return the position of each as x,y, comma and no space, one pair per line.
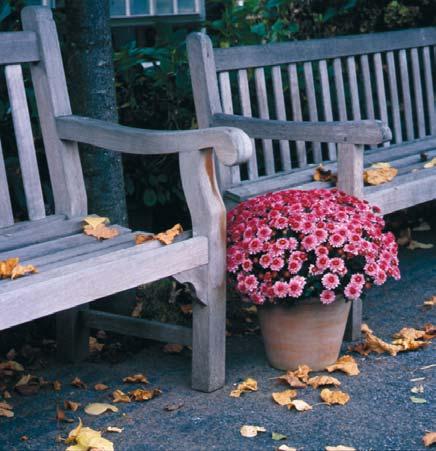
114,429
135,379
379,175
334,397
430,331
57,386
291,379
346,364
375,344
24,438
302,372
87,439
144,395
11,269
7,395
71,405
300,405
6,410
94,345
318,381
410,345
60,416
413,244
251,431
97,408
430,302
95,220
409,333
186,309
28,385
141,238
100,387
429,438
168,236
324,175
284,398
11,365
247,385
76,382
119,396
417,389
286,448
173,348
339,448
23,270
430,164
101,232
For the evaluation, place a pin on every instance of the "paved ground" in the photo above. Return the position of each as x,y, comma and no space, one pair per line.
380,415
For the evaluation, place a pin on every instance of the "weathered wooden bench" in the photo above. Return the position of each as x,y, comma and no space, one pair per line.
257,88
75,269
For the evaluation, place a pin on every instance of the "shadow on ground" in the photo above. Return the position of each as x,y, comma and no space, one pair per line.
380,415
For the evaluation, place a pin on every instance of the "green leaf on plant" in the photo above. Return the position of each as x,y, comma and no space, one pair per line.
259,29
418,400
278,436
150,198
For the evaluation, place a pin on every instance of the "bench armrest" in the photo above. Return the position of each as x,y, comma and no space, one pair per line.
353,132
232,146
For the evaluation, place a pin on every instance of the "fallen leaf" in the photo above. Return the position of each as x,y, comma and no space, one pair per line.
375,344
324,175
318,381
135,379
429,438
247,385
423,227
57,386
28,385
173,348
251,431
405,236
101,232
60,416
97,408
430,164
417,245
339,448
119,396
379,175
11,365
76,382
417,389
95,220
173,407
114,429
409,333
11,269
291,379
417,379
141,238
94,345
100,387
299,405
286,448
380,165
430,302
168,236
74,433
302,372
410,345
137,310
144,395
277,436
6,410
71,405
7,395
186,309
427,367
416,400
283,398
24,438
334,397
88,439
346,364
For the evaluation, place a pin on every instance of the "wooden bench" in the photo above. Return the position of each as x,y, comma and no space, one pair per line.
75,269
331,90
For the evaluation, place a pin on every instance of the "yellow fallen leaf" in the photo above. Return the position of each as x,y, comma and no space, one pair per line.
430,302
168,236
339,448
71,405
77,382
11,365
101,232
302,372
318,381
409,333
417,389
324,175
430,164
74,433
417,245
97,408
135,379
429,438
6,410
334,397
119,396
100,387
95,220
11,269
410,345
92,440
23,270
144,395
291,379
141,238
94,345
251,431
286,448
300,405
283,398
57,386
377,176
346,364
114,429
247,385
376,344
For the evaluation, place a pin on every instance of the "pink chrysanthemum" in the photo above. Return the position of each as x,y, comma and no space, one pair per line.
330,281
352,291
327,296
296,286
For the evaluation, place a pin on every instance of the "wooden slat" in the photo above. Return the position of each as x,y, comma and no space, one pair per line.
244,95
381,92
279,100
66,287
429,90
294,92
6,215
405,88
24,226
24,138
354,89
243,57
18,47
262,102
151,330
227,104
417,87
326,102
313,110
366,74
340,90
395,104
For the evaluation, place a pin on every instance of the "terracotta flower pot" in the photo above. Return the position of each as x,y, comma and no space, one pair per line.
305,333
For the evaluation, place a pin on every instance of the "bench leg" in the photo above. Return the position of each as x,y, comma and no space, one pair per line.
208,341
72,337
354,323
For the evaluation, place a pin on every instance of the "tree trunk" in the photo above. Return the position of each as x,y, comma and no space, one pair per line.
91,82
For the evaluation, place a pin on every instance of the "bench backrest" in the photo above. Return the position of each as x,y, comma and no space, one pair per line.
385,76
38,46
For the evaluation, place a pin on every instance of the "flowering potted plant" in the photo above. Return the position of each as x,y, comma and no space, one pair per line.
302,257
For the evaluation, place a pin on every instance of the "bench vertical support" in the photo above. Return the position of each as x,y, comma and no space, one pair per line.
350,180
208,216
